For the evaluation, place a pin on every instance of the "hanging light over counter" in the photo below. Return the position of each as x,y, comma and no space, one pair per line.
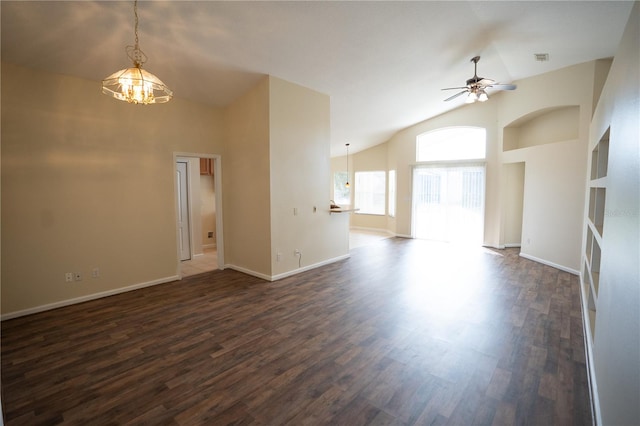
347,184
135,85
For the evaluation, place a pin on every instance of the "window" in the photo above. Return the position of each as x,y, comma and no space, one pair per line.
448,191
392,193
452,143
448,203
426,184
341,194
370,192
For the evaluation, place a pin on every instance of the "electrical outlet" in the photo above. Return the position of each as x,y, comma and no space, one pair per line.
95,273
68,277
296,252
279,257
78,276
210,234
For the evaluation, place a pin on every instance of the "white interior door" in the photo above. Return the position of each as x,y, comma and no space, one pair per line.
183,210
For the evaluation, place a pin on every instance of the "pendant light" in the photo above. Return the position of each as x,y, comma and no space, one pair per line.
135,85
347,184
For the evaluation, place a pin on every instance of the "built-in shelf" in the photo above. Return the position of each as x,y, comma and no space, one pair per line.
595,231
600,158
597,198
589,244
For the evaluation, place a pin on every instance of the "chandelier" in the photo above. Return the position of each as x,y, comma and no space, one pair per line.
135,85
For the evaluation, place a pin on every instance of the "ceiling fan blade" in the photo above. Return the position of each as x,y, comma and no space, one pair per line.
503,86
455,88
486,81
456,95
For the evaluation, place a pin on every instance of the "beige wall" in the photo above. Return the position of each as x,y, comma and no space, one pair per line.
553,202
616,347
512,202
91,184
543,127
88,182
277,169
245,177
301,180
556,171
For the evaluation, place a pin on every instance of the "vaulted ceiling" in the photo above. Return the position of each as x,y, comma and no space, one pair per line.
382,63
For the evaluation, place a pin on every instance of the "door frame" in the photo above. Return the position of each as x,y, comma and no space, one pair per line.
444,164
186,199
217,172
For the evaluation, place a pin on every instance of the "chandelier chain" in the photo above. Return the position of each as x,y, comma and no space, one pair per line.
134,52
135,13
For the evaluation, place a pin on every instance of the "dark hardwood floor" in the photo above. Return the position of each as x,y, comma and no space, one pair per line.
404,332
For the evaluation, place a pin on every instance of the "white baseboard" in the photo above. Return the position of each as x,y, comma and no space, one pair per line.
285,274
212,245
86,298
363,228
247,271
493,246
553,265
307,268
502,246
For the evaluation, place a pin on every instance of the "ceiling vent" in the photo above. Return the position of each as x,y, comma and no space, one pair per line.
541,57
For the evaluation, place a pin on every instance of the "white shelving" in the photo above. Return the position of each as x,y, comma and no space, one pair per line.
595,227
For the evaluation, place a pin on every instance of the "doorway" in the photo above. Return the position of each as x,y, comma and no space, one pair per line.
448,203
513,188
199,234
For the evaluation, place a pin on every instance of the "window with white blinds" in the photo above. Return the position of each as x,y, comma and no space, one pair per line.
370,192
448,203
448,188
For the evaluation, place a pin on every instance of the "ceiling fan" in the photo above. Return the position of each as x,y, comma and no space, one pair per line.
476,86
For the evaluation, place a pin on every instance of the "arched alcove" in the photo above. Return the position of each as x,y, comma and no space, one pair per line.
542,127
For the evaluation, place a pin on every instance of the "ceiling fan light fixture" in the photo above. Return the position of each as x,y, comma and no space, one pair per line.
475,86
135,85
471,98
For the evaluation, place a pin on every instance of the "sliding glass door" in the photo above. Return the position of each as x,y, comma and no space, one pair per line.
448,203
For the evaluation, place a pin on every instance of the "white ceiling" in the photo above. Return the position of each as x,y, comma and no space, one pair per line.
383,63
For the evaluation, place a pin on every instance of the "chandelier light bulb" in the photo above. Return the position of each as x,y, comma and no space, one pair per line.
473,96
